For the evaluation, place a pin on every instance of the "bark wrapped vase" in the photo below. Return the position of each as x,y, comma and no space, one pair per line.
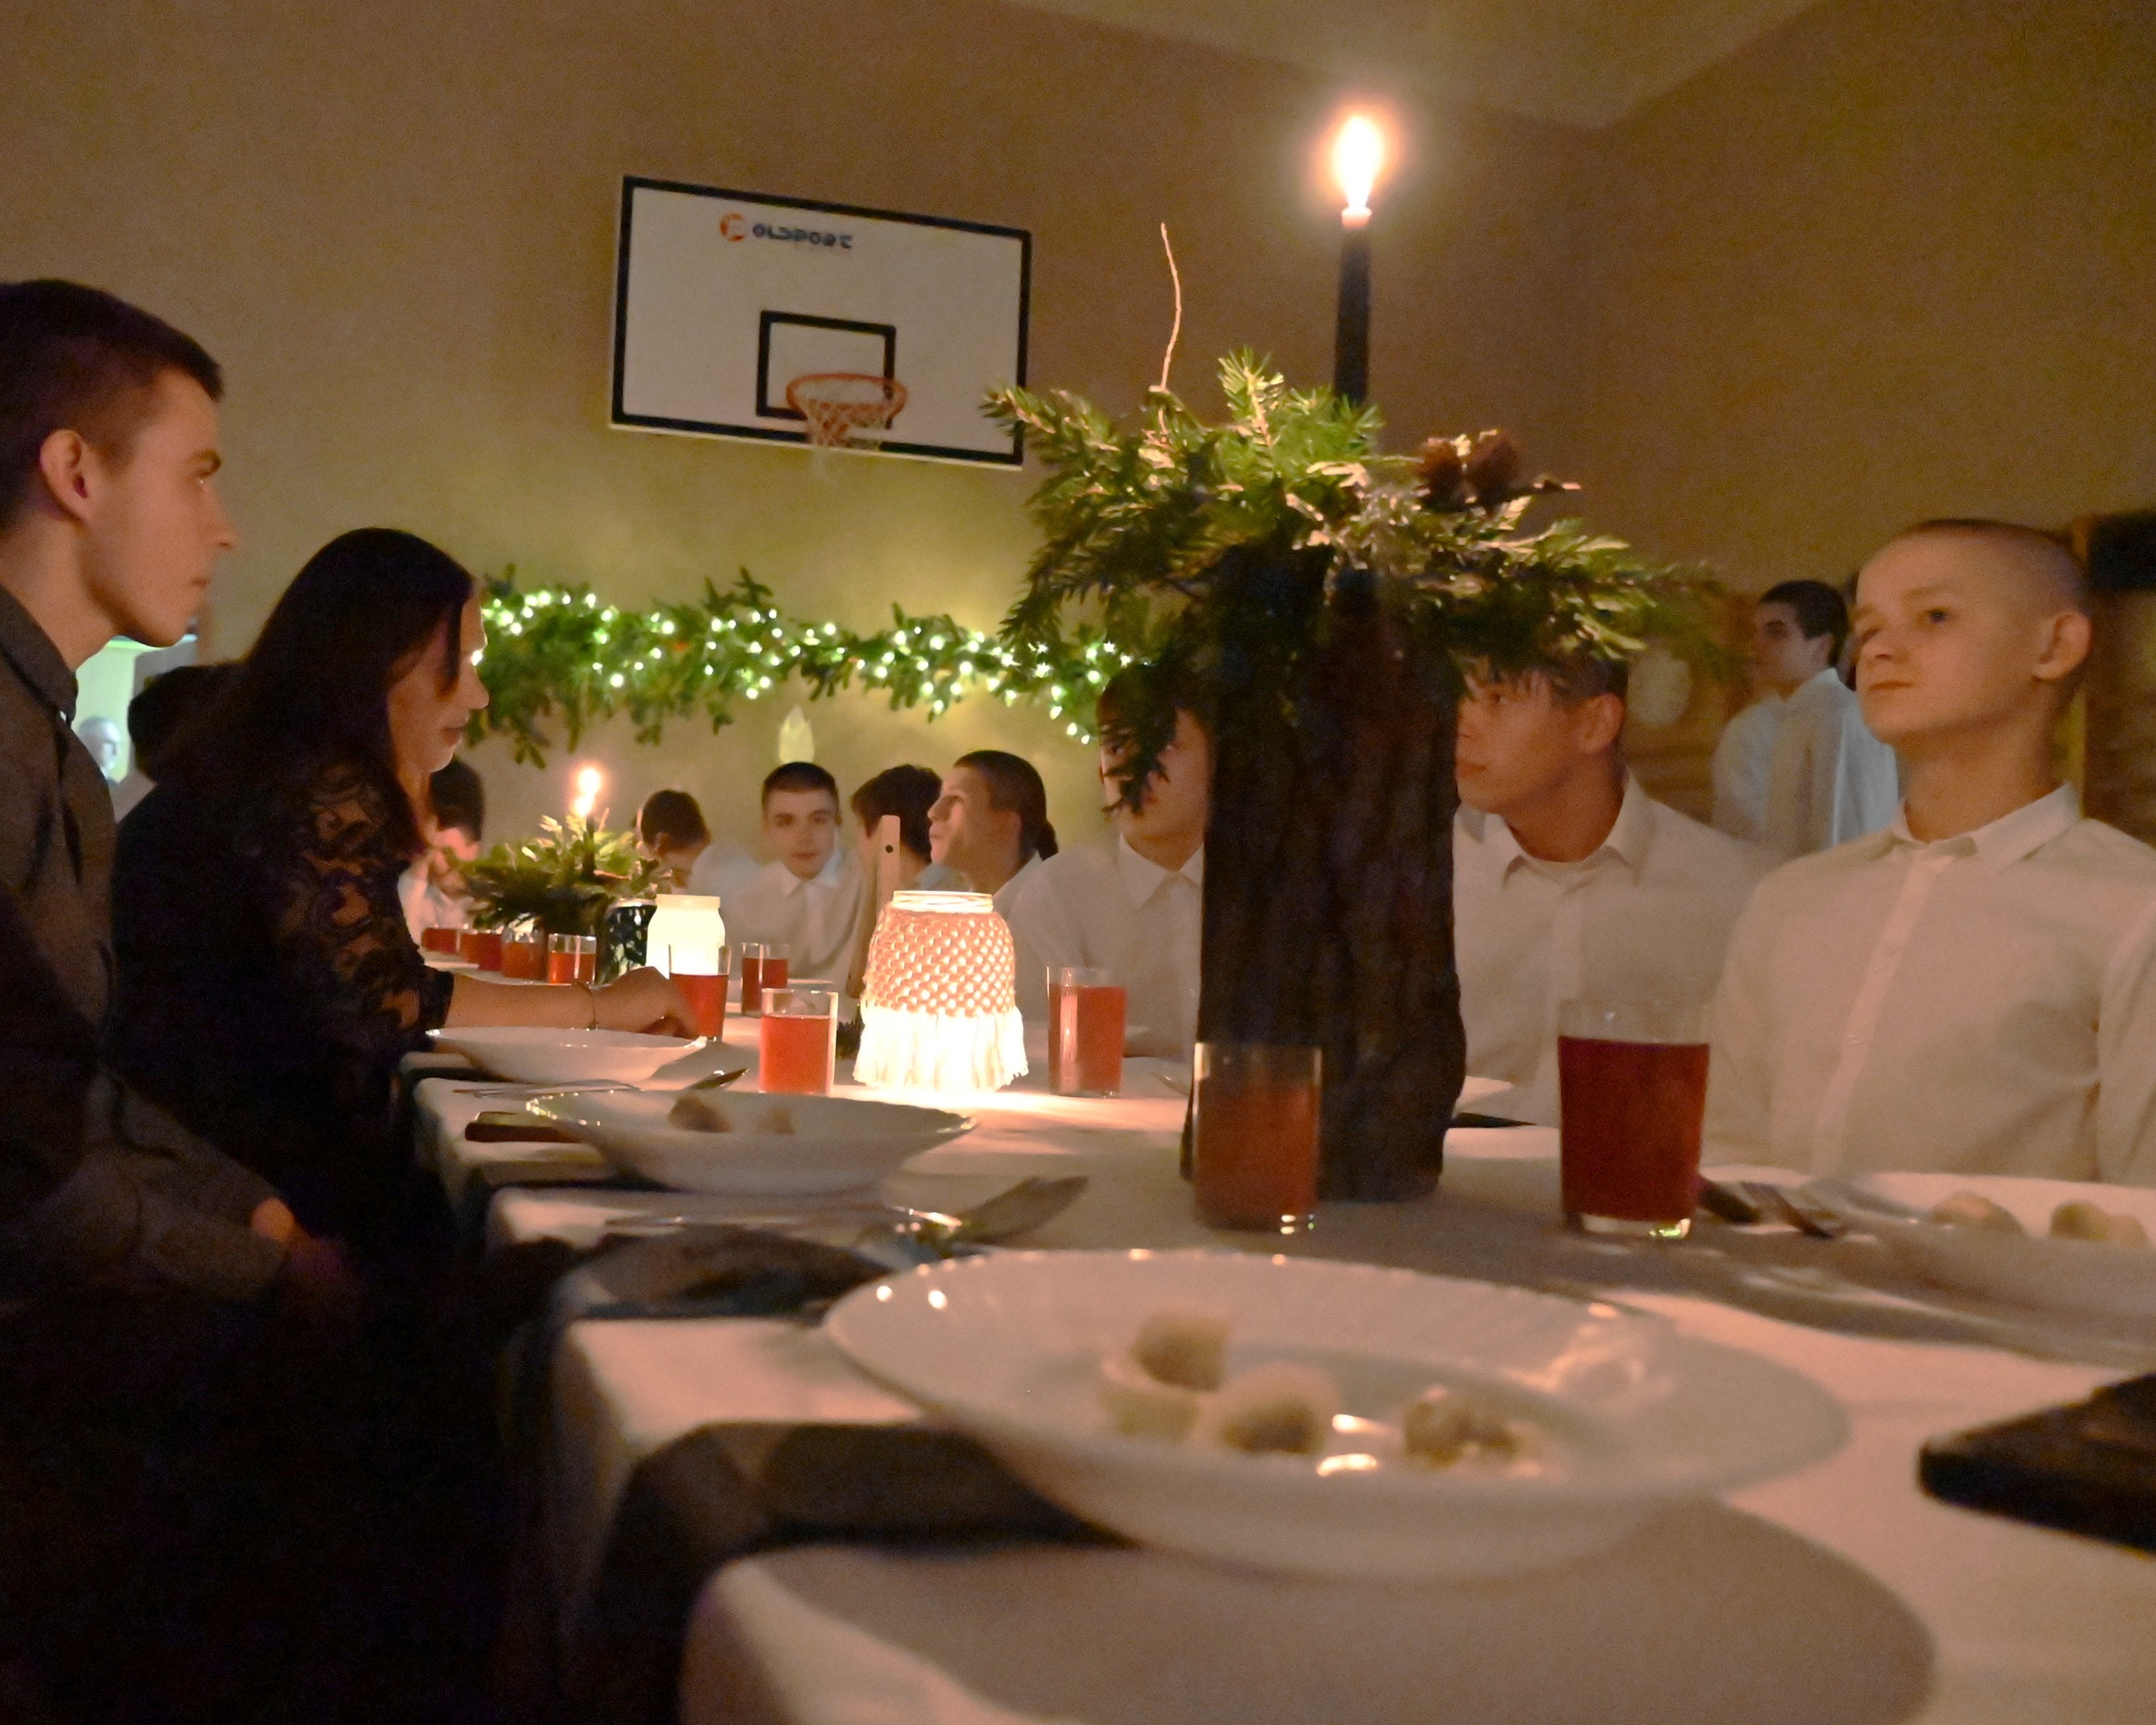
1328,865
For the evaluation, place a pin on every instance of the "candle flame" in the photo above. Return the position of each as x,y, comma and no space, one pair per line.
589,782
1358,153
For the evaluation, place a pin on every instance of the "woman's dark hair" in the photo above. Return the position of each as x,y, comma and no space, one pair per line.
458,795
1015,788
170,704
670,820
313,694
908,793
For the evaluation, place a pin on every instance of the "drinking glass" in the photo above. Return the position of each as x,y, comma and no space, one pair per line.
524,952
762,969
573,958
1255,1137
1632,1094
704,989
797,1042
438,940
479,947
1085,1032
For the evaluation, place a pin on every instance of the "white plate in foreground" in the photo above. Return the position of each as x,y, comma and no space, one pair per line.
529,1054
775,1146
1640,1418
2052,1275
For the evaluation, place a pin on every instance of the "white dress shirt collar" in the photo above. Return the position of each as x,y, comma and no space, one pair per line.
1142,877
1630,838
2004,841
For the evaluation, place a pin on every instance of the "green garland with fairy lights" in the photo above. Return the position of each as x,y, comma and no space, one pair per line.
556,654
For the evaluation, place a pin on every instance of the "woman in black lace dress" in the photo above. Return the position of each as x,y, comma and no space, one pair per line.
268,986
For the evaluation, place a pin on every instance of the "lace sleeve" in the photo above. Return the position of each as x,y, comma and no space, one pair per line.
339,929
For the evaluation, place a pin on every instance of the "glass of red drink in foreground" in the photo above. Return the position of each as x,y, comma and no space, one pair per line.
438,940
1085,1033
1254,1156
1632,1094
706,991
481,948
797,1043
573,958
524,952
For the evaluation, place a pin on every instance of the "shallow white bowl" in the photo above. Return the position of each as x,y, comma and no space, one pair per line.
1006,1347
830,1143
2054,1275
538,1055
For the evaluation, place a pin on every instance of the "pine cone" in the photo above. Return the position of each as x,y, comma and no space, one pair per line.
1443,475
1493,469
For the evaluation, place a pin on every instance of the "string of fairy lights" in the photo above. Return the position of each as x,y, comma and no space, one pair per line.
558,655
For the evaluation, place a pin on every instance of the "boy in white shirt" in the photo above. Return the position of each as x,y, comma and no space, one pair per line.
1568,881
1135,909
1797,769
809,896
990,827
1973,990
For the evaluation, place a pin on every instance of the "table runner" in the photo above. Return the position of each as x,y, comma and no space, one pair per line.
723,1491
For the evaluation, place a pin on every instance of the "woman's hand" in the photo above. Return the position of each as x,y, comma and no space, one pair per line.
644,1000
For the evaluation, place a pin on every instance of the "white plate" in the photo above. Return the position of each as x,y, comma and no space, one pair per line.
826,1143
1006,1347
2054,1274
539,1056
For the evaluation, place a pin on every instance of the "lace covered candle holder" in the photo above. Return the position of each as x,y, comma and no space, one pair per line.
939,1004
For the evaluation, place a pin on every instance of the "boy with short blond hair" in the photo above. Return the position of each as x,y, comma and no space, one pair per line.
1972,989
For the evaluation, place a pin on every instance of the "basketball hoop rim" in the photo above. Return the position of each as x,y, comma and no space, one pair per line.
839,422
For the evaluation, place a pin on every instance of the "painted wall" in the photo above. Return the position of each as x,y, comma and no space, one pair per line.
1892,260
393,222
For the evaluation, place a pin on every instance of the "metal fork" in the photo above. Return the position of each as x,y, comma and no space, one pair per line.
1777,1200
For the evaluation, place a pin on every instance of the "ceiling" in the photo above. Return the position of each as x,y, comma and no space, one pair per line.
1580,62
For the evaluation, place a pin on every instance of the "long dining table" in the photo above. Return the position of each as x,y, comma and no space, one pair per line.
1838,1595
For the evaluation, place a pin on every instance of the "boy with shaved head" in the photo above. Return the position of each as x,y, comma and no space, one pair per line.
1972,989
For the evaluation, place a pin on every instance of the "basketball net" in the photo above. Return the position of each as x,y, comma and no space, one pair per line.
846,410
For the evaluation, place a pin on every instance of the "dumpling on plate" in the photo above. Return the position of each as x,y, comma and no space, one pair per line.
1972,1210
1278,1409
1184,1347
1442,1428
694,1113
2080,1219
1142,1406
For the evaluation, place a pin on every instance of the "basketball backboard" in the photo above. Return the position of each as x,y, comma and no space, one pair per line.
722,298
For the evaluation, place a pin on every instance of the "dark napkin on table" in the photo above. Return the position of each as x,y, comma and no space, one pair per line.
725,1491
2089,1468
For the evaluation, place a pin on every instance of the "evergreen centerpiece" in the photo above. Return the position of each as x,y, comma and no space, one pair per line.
565,879
1326,598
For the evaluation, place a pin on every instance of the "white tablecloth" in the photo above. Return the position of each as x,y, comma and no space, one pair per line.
1839,1594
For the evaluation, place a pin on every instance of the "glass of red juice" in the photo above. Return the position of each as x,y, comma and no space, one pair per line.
762,969
1254,1156
797,1042
706,991
1631,1096
479,947
438,940
572,958
1085,1033
524,952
